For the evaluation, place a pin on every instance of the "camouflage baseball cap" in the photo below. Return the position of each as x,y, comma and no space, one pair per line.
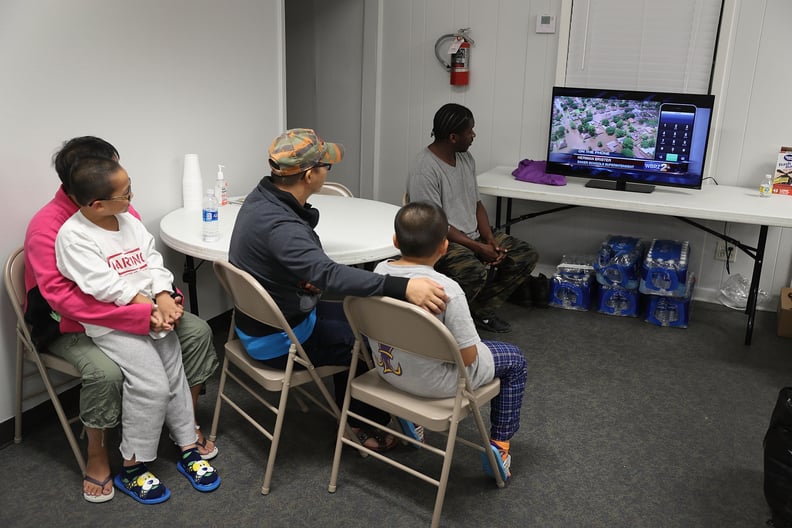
300,149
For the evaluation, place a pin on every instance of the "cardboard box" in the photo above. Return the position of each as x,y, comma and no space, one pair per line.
785,313
782,180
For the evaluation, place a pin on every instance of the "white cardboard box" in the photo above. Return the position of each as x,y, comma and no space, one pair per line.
782,180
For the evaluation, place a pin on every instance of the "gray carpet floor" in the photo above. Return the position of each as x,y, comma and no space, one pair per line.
623,424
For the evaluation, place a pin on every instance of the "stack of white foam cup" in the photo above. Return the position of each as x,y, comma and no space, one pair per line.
192,184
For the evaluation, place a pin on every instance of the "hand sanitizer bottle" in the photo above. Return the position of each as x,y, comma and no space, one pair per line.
211,222
221,187
766,187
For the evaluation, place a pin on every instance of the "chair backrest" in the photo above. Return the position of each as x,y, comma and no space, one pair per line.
14,276
336,189
402,325
250,297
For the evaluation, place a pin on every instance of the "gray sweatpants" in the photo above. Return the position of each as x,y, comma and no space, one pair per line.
155,392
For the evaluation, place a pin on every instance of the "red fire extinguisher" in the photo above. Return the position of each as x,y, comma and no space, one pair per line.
460,73
459,50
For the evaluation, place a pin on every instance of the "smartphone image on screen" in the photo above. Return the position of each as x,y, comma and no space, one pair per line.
675,132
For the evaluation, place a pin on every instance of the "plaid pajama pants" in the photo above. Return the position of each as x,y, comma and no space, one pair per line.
511,368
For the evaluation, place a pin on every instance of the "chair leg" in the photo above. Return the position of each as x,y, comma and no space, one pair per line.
342,427
265,488
64,421
219,401
301,402
325,393
485,442
443,483
18,393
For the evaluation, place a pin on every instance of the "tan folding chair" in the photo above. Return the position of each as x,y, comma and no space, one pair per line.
250,298
413,330
14,275
335,189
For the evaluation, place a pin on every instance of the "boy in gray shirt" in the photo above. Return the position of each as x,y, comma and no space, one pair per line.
421,229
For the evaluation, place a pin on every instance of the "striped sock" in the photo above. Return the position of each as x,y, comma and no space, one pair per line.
503,447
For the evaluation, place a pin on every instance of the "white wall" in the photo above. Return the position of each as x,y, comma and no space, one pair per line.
512,73
158,79
180,76
324,68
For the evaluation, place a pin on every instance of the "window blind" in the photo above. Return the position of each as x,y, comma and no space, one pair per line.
643,45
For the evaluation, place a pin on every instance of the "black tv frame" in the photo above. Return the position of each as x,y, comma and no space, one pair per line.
606,166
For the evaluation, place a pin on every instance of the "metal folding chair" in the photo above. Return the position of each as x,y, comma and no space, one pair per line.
14,275
250,298
336,189
415,331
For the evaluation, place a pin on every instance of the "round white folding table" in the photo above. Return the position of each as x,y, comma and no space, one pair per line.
352,230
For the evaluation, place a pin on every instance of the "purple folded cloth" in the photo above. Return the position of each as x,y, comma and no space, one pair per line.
534,172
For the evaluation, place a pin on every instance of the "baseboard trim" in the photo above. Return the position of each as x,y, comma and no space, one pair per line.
42,413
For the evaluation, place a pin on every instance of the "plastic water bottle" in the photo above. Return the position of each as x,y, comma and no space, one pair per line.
766,187
617,302
666,312
661,314
211,222
567,296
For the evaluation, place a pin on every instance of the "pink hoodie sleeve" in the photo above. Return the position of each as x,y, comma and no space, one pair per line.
62,294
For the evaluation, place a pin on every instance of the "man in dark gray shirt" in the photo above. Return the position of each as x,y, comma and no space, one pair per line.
274,240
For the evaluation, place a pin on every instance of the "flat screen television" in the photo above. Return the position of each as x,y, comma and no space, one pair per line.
629,140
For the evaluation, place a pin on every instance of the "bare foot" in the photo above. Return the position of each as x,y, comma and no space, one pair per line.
97,466
97,488
205,446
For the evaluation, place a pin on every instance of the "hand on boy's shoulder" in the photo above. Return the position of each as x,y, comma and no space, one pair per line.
427,293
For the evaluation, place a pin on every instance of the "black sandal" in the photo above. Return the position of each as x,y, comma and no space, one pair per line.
364,433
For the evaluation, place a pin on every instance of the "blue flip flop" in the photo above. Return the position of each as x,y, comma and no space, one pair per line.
198,471
503,467
145,488
416,432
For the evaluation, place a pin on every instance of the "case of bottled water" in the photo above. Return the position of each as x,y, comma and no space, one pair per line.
619,261
572,286
617,300
665,268
664,310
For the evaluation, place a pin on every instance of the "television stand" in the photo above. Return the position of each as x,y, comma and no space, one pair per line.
722,203
620,185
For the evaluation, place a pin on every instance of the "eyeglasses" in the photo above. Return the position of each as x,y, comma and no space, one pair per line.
127,196
328,166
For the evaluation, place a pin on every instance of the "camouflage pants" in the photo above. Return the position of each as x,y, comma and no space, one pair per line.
486,291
